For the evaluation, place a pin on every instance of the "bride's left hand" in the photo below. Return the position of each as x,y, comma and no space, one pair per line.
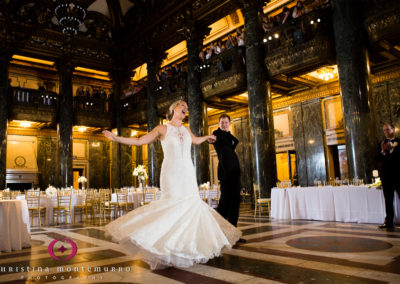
211,139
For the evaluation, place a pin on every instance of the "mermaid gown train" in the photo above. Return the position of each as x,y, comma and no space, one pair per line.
179,229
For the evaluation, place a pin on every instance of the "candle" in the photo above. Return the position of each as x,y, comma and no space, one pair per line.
375,173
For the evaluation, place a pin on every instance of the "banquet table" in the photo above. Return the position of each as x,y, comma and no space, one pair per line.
135,197
211,195
50,201
359,204
14,224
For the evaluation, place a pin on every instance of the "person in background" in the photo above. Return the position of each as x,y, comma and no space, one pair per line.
287,15
298,10
231,42
389,156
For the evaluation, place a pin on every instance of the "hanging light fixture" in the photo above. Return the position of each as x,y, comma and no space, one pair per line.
70,16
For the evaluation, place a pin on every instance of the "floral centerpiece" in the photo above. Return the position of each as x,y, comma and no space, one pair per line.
377,184
82,180
205,186
51,191
140,172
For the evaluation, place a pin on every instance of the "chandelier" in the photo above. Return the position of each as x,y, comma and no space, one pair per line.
70,16
327,73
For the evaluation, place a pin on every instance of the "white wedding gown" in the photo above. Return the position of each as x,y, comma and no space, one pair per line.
179,229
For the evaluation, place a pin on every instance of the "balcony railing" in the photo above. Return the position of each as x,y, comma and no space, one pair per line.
224,73
301,44
34,98
97,105
40,105
90,111
134,108
171,90
35,105
383,20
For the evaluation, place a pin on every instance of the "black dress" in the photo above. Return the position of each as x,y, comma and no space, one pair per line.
228,175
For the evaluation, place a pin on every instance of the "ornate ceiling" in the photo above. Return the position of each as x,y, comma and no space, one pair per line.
112,28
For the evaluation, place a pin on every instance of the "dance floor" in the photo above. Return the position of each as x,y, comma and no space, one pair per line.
275,252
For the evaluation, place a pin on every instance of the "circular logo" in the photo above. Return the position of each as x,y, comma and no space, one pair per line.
62,249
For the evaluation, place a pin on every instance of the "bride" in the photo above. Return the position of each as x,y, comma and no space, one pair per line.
179,229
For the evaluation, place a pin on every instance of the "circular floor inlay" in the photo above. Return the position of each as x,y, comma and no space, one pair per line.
338,244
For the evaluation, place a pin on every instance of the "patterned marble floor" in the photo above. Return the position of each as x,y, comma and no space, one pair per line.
275,252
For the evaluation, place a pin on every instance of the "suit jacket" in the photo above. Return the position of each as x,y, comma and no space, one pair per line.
390,162
228,162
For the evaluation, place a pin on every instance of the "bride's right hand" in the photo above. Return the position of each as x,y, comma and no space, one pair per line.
109,135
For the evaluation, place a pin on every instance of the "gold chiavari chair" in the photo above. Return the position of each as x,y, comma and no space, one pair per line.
97,206
123,204
148,196
261,202
34,208
202,194
106,206
63,207
215,194
88,205
5,195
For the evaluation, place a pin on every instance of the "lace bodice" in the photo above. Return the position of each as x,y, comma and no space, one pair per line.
177,143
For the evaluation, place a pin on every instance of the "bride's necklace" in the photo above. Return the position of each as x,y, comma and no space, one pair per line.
180,134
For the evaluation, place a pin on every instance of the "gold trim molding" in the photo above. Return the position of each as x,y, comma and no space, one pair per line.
323,91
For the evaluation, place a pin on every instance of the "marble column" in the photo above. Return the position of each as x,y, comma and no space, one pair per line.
4,106
260,105
154,152
355,84
65,123
120,81
308,139
197,108
139,155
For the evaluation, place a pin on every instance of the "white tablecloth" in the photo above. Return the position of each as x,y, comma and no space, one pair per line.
14,225
51,201
344,204
210,195
135,197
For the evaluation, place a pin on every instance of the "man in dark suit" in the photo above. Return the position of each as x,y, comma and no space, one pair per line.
389,155
228,171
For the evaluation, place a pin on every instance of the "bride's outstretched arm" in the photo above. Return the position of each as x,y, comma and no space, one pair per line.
198,140
145,139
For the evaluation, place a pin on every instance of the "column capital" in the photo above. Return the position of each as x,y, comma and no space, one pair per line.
5,53
122,70
154,56
194,30
250,4
65,64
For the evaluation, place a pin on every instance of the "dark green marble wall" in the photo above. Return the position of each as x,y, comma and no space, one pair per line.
242,133
386,96
46,159
99,164
126,162
309,142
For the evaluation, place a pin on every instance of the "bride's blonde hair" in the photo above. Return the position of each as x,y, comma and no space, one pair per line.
170,112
